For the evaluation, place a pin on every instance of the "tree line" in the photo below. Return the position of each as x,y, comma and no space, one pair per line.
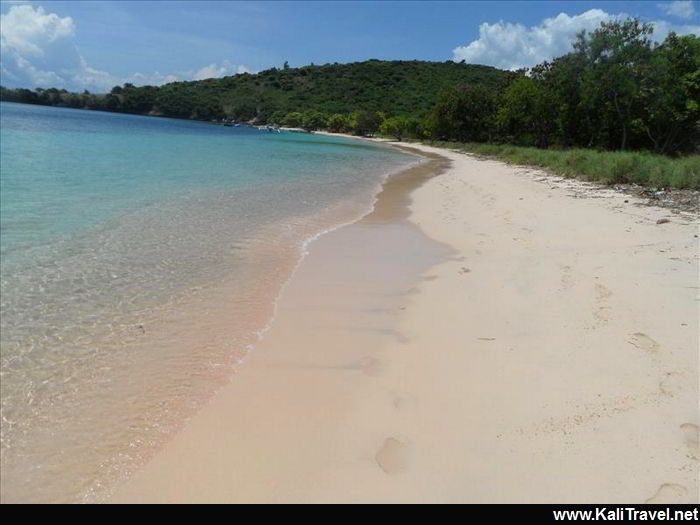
615,90
394,87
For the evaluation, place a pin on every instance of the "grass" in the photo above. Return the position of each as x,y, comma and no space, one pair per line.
608,167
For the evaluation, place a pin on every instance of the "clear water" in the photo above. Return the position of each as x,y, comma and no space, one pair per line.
140,259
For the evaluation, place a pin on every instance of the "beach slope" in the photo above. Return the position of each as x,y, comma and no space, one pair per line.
518,338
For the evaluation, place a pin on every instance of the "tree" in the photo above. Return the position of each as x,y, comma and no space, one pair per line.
174,103
338,123
430,126
464,113
365,123
277,117
526,114
413,127
615,54
562,79
141,100
313,120
293,119
395,127
670,96
112,103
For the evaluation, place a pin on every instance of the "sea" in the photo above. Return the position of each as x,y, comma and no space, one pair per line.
140,262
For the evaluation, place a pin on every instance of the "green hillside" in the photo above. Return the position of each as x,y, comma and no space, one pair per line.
393,87
616,89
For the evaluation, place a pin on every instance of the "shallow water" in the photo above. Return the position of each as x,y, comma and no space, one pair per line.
141,258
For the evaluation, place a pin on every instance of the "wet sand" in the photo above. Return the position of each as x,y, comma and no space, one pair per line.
501,336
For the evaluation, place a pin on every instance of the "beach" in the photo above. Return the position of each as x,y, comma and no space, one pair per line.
489,334
133,289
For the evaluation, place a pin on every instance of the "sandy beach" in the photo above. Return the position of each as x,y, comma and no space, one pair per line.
489,334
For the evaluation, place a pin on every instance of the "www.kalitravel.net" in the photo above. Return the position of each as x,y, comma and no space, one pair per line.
626,513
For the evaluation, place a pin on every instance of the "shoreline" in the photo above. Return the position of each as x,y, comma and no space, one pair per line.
549,357
382,229
193,343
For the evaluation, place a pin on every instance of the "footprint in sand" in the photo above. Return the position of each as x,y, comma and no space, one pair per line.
670,384
400,403
567,279
669,493
643,342
395,334
392,457
691,436
370,366
602,313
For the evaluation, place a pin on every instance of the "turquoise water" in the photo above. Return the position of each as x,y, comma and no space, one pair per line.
64,170
140,260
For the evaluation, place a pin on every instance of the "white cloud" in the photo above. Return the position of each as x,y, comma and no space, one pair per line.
37,49
28,31
662,28
681,9
35,46
96,80
210,71
511,46
216,71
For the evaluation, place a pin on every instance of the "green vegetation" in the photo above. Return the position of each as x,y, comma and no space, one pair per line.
615,93
394,87
399,127
608,167
338,123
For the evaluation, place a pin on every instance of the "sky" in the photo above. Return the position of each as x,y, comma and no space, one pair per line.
96,45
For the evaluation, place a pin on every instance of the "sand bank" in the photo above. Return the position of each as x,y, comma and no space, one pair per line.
516,338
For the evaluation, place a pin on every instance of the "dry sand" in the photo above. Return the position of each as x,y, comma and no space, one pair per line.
517,338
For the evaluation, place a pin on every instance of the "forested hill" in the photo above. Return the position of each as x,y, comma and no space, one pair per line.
392,87
616,89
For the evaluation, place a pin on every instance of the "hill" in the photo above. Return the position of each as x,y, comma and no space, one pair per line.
393,87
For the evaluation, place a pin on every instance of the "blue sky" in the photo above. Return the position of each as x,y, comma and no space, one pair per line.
95,45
